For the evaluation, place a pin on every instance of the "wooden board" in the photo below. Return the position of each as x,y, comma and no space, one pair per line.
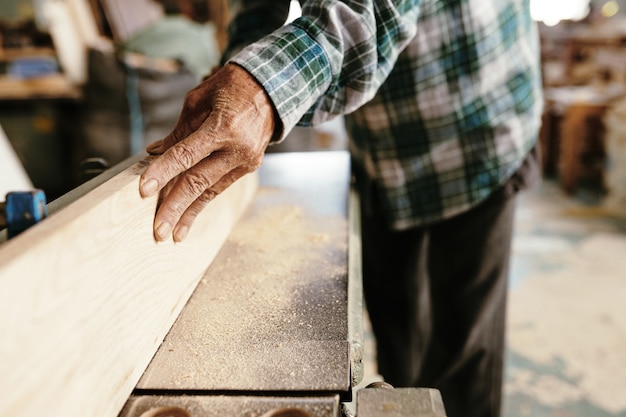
87,296
14,176
67,39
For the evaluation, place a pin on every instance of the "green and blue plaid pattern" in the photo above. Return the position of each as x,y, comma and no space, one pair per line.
442,97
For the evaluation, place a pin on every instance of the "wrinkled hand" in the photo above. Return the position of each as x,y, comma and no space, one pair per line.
226,123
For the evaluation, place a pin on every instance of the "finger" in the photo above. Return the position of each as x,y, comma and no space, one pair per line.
214,69
184,224
179,133
186,190
156,148
197,107
175,160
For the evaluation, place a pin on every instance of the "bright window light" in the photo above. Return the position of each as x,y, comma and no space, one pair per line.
552,12
610,9
294,11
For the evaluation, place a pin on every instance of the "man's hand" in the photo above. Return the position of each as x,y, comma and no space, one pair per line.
226,123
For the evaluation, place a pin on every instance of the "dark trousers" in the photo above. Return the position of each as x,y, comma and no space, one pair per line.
436,298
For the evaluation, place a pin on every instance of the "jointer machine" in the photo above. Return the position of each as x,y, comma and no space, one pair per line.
258,313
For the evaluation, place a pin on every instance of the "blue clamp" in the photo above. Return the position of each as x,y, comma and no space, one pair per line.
21,210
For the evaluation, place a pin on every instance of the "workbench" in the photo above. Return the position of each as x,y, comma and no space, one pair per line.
87,296
275,321
258,310
572,135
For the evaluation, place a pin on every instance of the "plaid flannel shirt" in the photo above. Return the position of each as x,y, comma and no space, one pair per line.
442,97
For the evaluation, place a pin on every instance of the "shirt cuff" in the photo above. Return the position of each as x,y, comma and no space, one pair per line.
293,69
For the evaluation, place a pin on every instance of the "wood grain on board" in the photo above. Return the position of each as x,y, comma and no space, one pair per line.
87,296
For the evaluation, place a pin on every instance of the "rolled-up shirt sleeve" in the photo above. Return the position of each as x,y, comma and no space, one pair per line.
331,60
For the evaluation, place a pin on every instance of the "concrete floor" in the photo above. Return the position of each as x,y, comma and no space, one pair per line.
567,307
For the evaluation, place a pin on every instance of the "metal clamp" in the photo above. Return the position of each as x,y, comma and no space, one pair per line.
383,400
21,210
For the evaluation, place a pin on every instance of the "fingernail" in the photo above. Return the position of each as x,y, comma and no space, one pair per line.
149,187
163,230
180,233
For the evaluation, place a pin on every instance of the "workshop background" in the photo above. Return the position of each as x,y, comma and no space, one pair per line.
84,84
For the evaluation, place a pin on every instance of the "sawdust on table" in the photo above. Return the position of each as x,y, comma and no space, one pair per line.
283,267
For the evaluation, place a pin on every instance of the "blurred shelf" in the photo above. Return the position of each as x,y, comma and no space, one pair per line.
55,86
8,54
